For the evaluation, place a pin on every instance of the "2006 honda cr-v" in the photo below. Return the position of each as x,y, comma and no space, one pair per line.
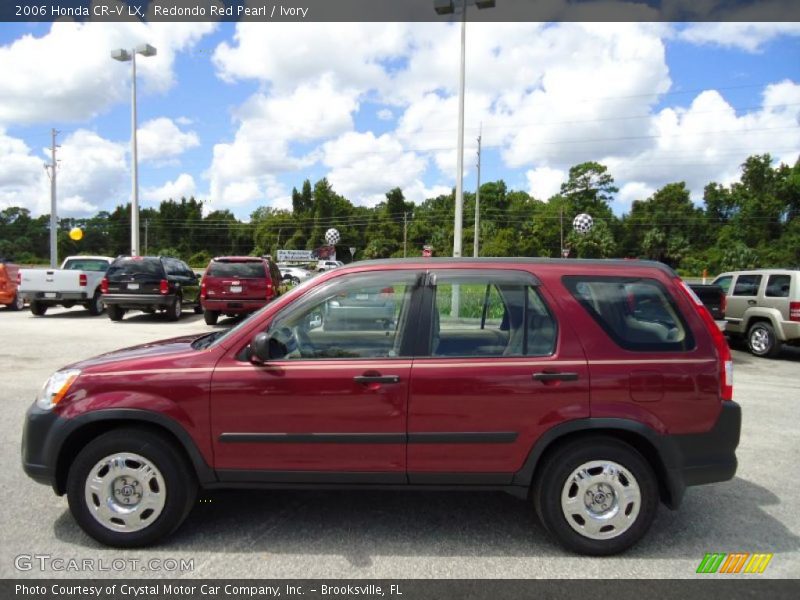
595,389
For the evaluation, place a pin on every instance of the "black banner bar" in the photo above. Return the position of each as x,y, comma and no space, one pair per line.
742,11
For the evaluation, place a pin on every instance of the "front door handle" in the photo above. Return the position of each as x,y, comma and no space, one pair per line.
377,379
550,376
752,302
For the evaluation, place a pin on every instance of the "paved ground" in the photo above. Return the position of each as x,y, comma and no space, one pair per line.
381,534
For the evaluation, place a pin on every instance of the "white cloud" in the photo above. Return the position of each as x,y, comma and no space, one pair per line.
365,167
68,74
545,182
161,139
748,36
631,191
22,176
182,187
385,114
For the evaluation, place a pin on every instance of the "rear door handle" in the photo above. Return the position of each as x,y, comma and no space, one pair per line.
377,379
545,377
752,302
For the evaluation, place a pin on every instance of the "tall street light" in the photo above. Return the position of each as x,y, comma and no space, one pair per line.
445,7
123,55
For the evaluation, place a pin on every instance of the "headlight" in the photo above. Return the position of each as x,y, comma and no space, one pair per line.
56,388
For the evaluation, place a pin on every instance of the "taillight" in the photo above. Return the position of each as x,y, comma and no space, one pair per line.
794,311
104,286
203,292
163,288
720,343
270,290
82,280
19,278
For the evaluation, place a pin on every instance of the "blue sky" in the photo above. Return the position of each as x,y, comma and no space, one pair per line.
239,114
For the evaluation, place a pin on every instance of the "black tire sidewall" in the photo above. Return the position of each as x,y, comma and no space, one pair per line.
774,346
210,317
38,309
17,303
176,309
559,466
179,481
115,313
95,305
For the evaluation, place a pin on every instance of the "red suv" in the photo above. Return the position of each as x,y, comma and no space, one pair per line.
592,389
233,285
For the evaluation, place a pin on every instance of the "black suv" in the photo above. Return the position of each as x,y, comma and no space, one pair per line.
150,283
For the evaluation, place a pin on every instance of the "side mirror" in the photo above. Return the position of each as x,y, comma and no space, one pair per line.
265,347
259,348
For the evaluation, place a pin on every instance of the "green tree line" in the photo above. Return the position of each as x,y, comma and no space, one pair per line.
753,222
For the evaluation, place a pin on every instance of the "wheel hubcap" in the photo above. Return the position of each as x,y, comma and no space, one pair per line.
759,340
125,492
601,499
19,302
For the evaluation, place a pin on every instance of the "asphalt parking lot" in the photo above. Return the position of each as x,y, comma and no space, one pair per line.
285,534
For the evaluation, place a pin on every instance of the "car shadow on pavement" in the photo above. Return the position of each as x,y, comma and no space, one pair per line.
360,525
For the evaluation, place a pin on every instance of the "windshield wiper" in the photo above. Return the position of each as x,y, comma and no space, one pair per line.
206,340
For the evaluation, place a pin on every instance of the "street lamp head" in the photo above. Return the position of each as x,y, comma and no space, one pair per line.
145,50
443,7
121,55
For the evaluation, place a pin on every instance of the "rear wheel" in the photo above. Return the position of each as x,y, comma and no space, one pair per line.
38,309
115,313
596,496
130,487
96,304
211,317
175,309
18,303
762,341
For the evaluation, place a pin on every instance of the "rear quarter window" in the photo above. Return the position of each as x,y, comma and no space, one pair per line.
242,270
638,314
747,285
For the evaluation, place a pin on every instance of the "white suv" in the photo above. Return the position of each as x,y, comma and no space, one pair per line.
328,265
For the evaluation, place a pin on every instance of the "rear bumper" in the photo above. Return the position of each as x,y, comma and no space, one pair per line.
232,306
700,458
57,298
139,300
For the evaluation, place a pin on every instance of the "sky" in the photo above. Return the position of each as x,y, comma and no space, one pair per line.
238,114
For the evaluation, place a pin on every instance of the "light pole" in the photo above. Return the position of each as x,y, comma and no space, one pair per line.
445,7
123,55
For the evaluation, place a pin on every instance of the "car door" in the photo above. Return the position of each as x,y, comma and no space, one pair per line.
334,408
743,296
486,385
190,284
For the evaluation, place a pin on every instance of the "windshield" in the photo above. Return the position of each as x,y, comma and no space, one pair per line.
86,264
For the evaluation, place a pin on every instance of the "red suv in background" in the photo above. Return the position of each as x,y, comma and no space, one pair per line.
591,389
233,285
9,282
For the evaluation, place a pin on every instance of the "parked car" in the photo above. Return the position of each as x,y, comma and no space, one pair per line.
365,309
235,285
294,275
763,307
327,265
76,282
150,284
541,378
9,276
713,298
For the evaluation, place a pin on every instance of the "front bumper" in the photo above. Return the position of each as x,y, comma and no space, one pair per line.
38,439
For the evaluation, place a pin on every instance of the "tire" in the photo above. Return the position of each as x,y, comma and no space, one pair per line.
38,309
561,505
115,313
96,305
295,281
762,341
168,490
211,317
198,309
175,309
18,303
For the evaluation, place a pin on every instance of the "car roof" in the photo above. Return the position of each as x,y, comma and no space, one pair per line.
483,261
238,259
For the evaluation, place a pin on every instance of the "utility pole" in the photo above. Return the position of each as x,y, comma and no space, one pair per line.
405,234
477,200
146,224
51,172
561,220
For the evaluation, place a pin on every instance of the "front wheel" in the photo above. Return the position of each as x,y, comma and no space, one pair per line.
38,309
762,341
129,488
596,496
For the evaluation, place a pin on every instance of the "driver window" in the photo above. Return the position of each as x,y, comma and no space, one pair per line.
358,316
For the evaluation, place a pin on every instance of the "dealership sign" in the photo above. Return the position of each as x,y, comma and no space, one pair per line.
294,255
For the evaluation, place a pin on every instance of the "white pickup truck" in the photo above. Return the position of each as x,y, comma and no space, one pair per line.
76,282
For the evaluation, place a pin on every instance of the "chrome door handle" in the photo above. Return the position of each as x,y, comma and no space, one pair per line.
377,379
545,377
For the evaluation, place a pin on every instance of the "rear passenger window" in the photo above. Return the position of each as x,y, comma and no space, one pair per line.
747,285
638,314
490,317
778,286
